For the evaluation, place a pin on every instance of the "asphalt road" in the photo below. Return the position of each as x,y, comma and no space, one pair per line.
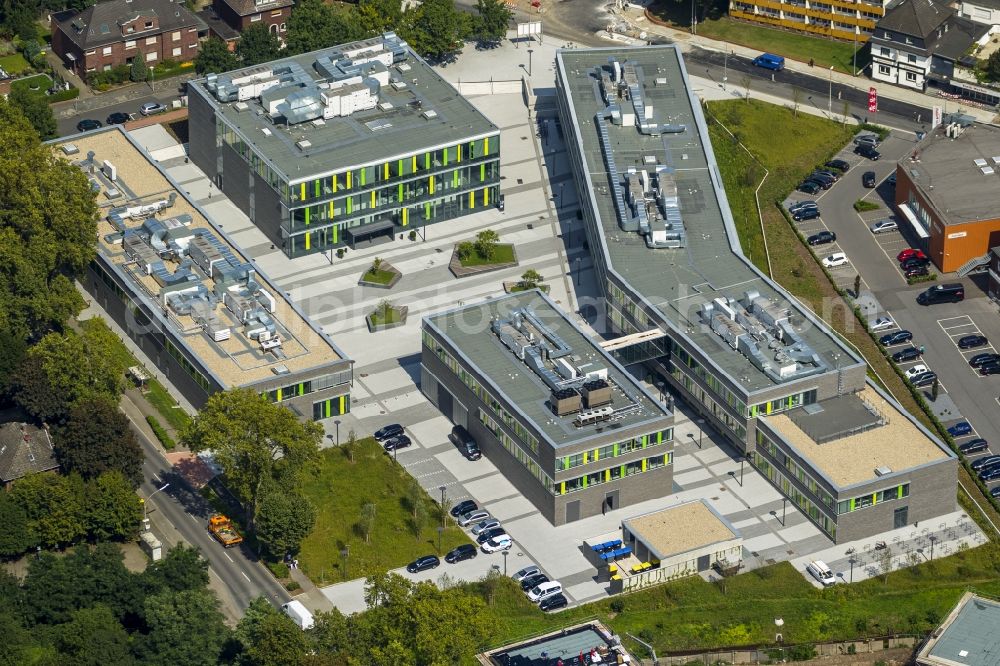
67,126
236,571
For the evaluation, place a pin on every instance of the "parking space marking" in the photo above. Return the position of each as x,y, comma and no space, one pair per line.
957,328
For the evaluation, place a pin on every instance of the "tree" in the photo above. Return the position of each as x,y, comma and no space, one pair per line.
491,24
747,81
48,224
530,278
113,510
377,264
434,616
366,520
283,521
387,589
414,495
992,68
36,109
857,285
486,243
215,57
935,389
257,44
94,637
256,442
138,72
351,445
796,100
54,506
466,249
378,16
419,520
184,627
269,638
97,438
435,29
15,537
845,111
315,25
183,568
13,349
884,559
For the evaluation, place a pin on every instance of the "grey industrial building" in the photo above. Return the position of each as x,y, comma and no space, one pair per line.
343,146
967,637
764,371
563,421
189,297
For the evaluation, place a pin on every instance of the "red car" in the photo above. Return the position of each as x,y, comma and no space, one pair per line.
910,253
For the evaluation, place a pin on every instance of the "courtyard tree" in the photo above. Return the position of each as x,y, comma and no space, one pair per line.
992,68
436,29
492,21
314,24
36,109
97,438
258,444
138,71
185,627
214,56
486,243
366,520
283,521
257,44
530,278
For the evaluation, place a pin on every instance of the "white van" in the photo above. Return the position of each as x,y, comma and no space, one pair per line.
821,572
545,590
299,613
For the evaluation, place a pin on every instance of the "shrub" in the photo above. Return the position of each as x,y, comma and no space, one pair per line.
617,605
291,586
279,569
161,434
466,249
863,206
413,235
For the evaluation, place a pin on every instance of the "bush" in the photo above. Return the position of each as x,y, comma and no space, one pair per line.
112,77
292,586
161,434
862,206
466,249
930,277
617,605
279,569
63,95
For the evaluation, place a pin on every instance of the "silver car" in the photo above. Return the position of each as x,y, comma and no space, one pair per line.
473,517
526,572
884,225
484,525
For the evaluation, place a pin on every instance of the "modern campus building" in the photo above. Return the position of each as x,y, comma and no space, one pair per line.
560,417
851,20
948,190
763,370
967,637
198,307
344,145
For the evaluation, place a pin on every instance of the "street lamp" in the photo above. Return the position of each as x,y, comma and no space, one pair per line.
530,51
742,460
440,531
576,263
505,554
784,503
145,505
346,553
725,70
852,561
336,422
443,509
829,102
932,538
701,422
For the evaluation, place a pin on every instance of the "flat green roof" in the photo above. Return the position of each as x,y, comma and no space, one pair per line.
468,330
677,282
364,137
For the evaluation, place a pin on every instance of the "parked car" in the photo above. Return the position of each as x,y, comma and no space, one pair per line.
149,108
822,238
497,544
825,180
867,140
484,525
925,379
914,262
770,61
868,179
473,516
835,259
838,164
532,581
805,214
866,150
388,432
810,187
821,572
918,369
491,533
975,446
883,226
423,564
960,429
557,601
465,443
895,338
465,506
985,461
118,118
396,443
805,203
881,323
915,271
88,124
545,590
990,473
892,179
983,359
527,571
464,552
942,293
990,369
971,341
910,253
908,354
995,492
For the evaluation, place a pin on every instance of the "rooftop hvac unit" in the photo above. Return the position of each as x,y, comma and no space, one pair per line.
883,471
303,145
565,401
596,393
429,114
592,416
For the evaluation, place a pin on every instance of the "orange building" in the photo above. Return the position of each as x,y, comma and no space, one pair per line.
948,193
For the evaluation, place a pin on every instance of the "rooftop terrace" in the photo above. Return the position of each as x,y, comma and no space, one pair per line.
665,225
680,529
849,437
539,360
189,275
358,103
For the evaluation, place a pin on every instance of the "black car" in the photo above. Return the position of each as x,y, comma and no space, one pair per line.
799,205
908,354
914,262
825,180
984,358
532,581
805,214
995,492
838,164
990,473
464,552
388,432
868,179
924,379
557,601
975,446
118,118
396,443
989,369
465,506
915,271
423,564
971,341
489,534
895,338
822,238
88,124
868,151
810,187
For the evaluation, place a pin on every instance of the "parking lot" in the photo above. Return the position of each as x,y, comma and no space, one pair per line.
963,395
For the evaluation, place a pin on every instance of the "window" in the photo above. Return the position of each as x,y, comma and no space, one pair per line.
254,18
106,50
911,58
176,36
176,51
149,24
885,52
282,27
150,41
883,69
150,57
910,76
276,12
130,44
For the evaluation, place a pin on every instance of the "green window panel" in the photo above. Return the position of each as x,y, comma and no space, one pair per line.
316,187
427,160
482,173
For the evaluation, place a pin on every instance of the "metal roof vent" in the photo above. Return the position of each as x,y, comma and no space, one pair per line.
303,145
980,162
241,106
280,369
318,122
429,113
884,470
266,131
987,170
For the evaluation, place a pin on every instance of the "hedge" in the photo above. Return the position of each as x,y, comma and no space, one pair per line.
161,433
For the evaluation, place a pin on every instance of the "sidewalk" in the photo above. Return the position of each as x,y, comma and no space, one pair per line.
637,16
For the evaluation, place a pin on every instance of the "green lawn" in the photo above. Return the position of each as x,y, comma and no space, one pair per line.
380,317
520,287
503,254
41,81
339,488
378,277
14,63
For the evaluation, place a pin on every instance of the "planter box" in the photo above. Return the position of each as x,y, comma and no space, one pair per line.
511,287
460,271
388,268
374,328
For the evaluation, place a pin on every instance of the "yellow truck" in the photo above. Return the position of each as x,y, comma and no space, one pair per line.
223,530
